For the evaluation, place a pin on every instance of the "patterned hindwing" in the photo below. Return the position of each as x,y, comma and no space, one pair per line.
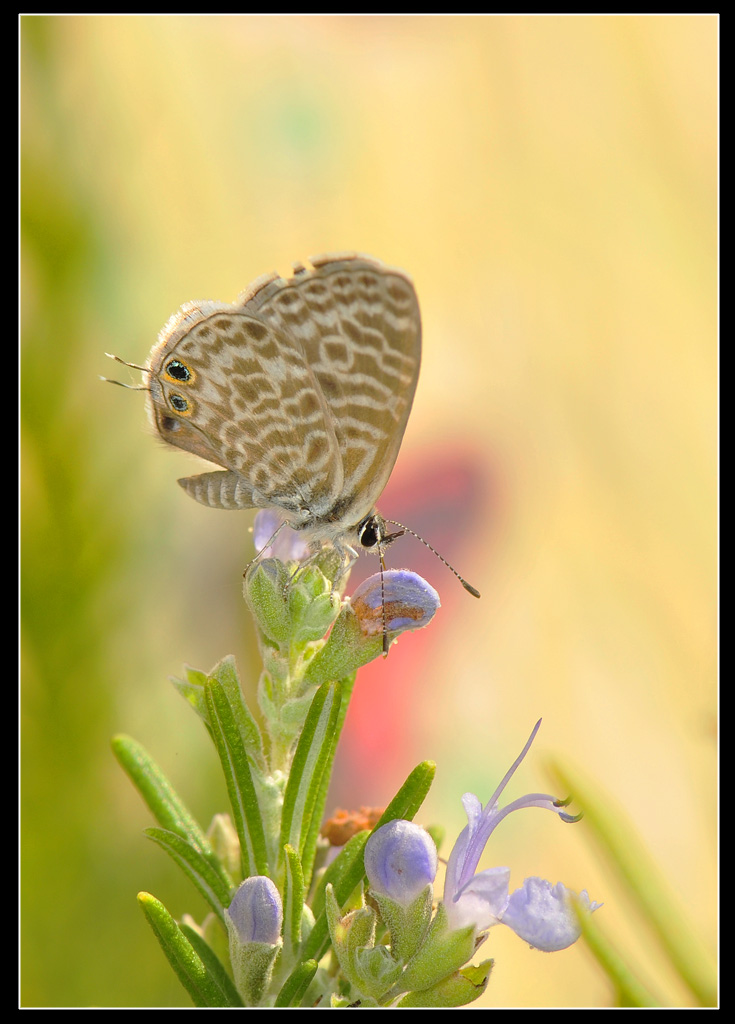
358,323
235,390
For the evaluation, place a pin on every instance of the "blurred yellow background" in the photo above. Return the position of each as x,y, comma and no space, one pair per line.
550,183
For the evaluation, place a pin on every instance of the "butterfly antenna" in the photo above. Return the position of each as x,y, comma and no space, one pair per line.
133,366
467,586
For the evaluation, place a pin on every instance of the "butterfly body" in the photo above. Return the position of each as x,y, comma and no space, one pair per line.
300,391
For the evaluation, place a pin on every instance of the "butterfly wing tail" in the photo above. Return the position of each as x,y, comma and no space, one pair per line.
221,489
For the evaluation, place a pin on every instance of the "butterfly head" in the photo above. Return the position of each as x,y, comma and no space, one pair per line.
372,532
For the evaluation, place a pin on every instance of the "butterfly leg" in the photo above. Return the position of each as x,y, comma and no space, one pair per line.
349,556
265,547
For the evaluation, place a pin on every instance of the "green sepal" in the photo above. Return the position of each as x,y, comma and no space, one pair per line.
458,989
207,874
312,605
252,965
246,813
266,585
292,607
407,925
189,967
346,650
376,971
369,968
351,931
443,952
312,758
295,987
214,965
166,806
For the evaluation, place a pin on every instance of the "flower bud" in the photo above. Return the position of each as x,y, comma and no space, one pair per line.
400,861
254,919
397,601
256,911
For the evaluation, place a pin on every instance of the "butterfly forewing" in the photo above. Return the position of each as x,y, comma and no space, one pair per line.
253,406
301,391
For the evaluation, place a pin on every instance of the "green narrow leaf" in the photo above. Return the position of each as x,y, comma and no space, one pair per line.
307,860
225,673
295,987
230,995
630,990
404,805
642,879
240,786
314,752
189,967
348,862
207,874
192,690
167,808
293,902
411,795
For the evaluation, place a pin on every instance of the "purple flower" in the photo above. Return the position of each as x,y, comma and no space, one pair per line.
543,914
400,861
409,601
288,545
538,912
256,911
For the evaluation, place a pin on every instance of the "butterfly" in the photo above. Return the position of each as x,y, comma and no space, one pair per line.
300,391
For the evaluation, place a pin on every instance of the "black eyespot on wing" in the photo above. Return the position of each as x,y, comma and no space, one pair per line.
180,404
178,370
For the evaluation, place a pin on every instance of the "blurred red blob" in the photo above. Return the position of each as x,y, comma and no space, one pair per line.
449,500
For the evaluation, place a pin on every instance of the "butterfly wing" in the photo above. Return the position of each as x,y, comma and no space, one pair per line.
359,325
301,390
228,387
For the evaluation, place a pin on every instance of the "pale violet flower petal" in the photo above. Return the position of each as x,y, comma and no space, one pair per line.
543,914
256,910
398,600
481,822
539,913
287,545
482,901
400,861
